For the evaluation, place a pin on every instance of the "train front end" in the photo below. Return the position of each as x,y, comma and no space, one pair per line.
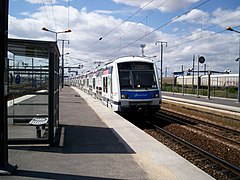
139,86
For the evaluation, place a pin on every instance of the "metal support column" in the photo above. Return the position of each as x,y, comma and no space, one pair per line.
161,58
193,69
198,80
209,84
63,41
51,98
5,168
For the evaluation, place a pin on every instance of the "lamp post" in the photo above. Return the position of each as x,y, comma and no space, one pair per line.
56,32
201,60
238,59
161,57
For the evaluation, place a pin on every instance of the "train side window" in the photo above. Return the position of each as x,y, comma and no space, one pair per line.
94,84
111,88
103,84
106,84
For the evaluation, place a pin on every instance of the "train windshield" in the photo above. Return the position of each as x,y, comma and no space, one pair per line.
137,75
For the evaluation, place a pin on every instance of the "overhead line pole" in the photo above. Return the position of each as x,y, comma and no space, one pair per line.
161,58
238,59
63,59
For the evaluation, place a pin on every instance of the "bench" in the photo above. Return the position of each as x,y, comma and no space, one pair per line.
39,122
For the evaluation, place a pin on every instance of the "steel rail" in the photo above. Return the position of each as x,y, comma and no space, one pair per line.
224,164
201,129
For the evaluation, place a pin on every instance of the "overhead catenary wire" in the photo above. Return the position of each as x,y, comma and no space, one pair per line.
68,23
206,36
201,37
144,18
68,14
198,32
126,19
119,24
209,35
54,19
44,6
167,23
77,59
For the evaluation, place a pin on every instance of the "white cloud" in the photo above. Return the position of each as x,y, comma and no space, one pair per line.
220,50
104,12
174,5
24,28
26,14
194,16
42,1
86,28
175,29
224,18
218,53
168,6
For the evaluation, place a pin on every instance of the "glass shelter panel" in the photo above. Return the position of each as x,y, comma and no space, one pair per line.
28,97
32,91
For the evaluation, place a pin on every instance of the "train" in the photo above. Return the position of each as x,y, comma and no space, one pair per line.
216,80
127,84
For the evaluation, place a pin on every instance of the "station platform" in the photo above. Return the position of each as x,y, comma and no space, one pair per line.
96,143
214,102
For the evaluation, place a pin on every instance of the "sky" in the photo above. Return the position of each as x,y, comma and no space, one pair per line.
103,30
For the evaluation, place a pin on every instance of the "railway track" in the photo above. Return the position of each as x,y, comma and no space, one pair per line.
165,127
223,133
206,159
214,115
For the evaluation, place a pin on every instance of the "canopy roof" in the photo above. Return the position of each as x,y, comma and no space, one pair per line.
32,48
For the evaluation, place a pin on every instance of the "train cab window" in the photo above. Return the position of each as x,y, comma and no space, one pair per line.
137,75
144,80
125,79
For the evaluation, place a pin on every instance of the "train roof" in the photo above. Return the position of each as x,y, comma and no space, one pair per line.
130,59
118,60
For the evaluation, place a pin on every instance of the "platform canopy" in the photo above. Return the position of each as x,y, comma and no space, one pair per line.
31,48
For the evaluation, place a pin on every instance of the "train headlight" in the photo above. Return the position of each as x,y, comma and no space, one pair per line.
124,96
156,95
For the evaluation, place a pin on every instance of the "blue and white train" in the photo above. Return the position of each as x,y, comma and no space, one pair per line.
126,84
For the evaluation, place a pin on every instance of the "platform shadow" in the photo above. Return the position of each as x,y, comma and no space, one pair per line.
88,139
83,139
51,175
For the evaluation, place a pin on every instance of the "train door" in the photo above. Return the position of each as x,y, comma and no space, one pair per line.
108,88
106,81
99,86
104,88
